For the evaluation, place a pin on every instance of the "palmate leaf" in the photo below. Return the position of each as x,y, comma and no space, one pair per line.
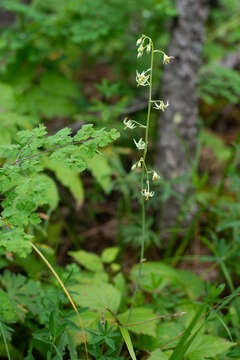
7,309
23,294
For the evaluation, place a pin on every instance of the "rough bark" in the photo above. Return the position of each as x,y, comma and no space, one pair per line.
179,87
6,18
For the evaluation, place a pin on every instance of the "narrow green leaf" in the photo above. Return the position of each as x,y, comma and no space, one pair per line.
184,342
128,342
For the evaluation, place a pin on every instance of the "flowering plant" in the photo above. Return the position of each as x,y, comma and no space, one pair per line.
145,78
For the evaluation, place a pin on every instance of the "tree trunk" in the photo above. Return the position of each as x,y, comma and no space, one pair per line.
6,18
180,89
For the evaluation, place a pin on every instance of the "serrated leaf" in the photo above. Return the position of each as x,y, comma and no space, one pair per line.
89,260
7,310
158,355
167,331
110,254
96,297
140,315
207,346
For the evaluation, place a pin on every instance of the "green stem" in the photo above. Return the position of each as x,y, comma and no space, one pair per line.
142,187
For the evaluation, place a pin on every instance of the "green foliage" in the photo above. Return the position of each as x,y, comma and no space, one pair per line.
23,175
66,62
218,82
89,261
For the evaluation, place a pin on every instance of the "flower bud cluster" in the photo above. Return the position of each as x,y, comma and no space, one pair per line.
142,47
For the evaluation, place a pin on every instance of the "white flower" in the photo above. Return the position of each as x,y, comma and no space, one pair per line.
142,79
140,144
161,105
128,124
155,176
137,164
147,194
140,50
148,48
139,41
167,59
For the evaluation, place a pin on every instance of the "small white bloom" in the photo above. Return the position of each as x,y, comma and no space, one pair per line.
147,194
155,176
137,164
140,144
148,48
142,79
128,123
140,50
167,59
161,105
139,41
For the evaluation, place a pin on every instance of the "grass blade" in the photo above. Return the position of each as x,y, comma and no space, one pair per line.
186,339
128,342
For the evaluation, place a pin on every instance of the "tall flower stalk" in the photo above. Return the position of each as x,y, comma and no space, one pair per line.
145,78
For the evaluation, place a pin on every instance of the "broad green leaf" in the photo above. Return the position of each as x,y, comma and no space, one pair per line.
128,342
158,355
161,274
101,170
69,178
89,260
96,297
141,316
110,254
207,346
167,331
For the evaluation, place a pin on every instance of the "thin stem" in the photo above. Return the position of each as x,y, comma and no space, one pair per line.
66,292
142,186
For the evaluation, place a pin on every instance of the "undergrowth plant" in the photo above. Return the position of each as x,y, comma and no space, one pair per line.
171,314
